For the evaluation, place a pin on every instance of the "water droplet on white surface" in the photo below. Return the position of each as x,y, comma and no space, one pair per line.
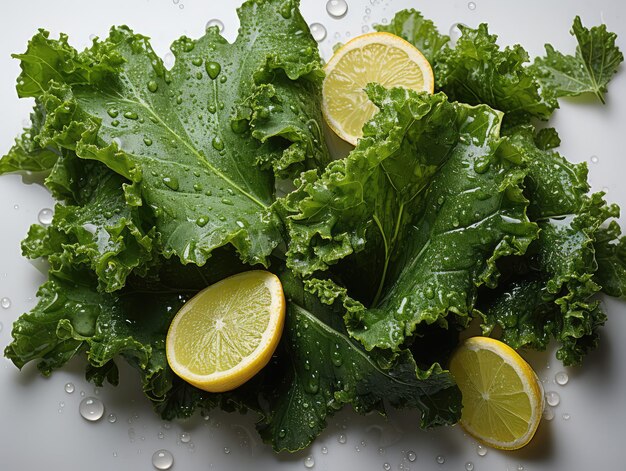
226,450
45,216
16,207
337,8
386,466
471,6
324,450
309,462
594,159
5,303
566,416
342,438
69,388
185,437
520,468
455,33
481,450
112,418
160,435
441,459
215,22
365,29
469,466
318,31
553,398
91,409
162,459
548,413
381,451
411,456
561,378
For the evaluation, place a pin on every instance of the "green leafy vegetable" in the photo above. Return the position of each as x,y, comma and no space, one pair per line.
596,60
194,141
478,71
422,33
439,209
452,206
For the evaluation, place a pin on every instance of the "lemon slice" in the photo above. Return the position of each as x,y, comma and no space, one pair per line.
502,398
382,58
228,332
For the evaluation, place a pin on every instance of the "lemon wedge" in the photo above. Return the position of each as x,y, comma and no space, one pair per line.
502,398
382,58
228,332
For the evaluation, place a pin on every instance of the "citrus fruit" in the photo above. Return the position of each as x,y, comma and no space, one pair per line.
382,58
228,332
502,398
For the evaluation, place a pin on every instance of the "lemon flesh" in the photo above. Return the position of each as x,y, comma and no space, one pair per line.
370,58
228,332
502,398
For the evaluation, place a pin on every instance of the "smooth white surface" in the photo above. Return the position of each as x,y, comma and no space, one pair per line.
40,427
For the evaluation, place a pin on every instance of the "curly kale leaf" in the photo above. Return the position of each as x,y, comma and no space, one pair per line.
596,60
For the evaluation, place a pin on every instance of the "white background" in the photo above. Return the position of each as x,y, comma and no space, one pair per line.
40,427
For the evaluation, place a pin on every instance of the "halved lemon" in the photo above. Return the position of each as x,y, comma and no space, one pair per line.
228,332
502,398
382,58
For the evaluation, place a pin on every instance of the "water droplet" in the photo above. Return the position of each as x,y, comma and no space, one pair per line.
520,468
171,183
215,22
162,459
69,388
481,450
548,413
185,437
365,29
318,31
115,123
441,459
213,69
45,216
471,6
153,86
112,418
553,398
91,409
561,378
16,206
342,438
469,466
386,466
324,450
82,394
202,221
131,115
411,456
337,8
147,141
226,450
5,303
227,201
113,112
594,159
168,60
217,143
309,462
566,416
455,33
